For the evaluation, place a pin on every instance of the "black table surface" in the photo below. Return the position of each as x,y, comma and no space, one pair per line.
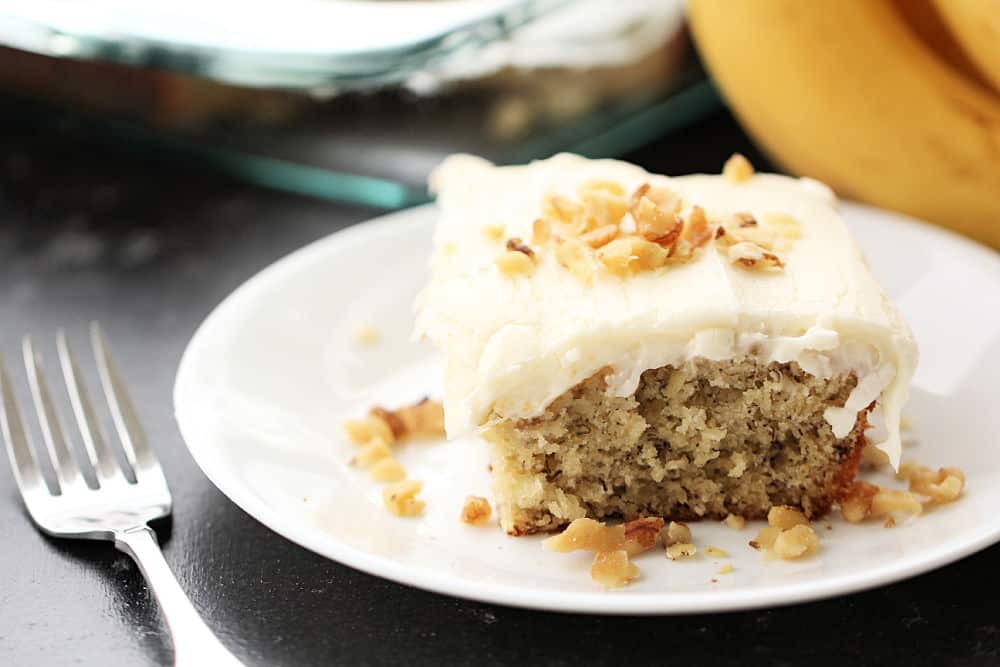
149,248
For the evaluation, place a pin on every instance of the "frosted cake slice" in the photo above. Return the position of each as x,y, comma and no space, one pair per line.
633,345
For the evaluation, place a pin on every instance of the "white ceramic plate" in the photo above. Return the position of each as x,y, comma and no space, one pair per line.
269,378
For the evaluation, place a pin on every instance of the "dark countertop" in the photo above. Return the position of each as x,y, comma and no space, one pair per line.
148,248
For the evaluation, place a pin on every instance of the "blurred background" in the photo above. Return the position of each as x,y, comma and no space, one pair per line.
355,101
893,102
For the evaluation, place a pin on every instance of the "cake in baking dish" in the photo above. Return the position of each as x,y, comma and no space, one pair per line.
631,344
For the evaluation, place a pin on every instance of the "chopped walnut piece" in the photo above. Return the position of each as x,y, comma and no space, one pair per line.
716,552
361,431
541,231
737,169
476,511
681,550
654,223
395,423
676,532
726,569
513,263
515,244
494,232
600,236
942,486
799,540
613,569
625,256
857,503
765,538
889,501
873,456
387,470
785,517
589,535
423,419
641,534
752,256
375,450
576,256
665,199
602,207
401,498
561,209
697,231
736,522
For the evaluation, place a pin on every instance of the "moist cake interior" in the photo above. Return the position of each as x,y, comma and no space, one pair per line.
703,440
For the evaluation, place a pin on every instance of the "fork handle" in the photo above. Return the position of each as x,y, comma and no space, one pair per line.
194,643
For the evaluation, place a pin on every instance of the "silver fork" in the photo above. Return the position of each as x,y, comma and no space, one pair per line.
124,499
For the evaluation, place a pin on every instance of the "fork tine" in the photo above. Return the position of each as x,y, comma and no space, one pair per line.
100,453
19,449
130,431
67,471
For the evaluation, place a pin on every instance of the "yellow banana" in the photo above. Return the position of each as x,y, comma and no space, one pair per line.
845,92
976,26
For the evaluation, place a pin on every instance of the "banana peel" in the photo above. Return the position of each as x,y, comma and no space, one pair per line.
847,93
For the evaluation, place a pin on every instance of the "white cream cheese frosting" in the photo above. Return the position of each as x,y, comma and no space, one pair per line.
514,344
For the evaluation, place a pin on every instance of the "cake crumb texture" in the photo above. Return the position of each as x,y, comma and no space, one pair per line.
704,440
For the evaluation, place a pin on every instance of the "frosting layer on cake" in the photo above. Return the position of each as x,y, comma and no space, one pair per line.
513,343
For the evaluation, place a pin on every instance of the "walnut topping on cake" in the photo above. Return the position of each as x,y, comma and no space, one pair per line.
516,245
737,169
646,231
518,258
514,263
577,257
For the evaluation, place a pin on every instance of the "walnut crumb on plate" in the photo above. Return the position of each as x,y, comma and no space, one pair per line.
476,511
613,569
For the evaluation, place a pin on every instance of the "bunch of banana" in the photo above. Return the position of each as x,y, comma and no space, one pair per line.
887,101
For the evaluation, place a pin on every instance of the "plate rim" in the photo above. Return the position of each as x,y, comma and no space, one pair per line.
577,602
